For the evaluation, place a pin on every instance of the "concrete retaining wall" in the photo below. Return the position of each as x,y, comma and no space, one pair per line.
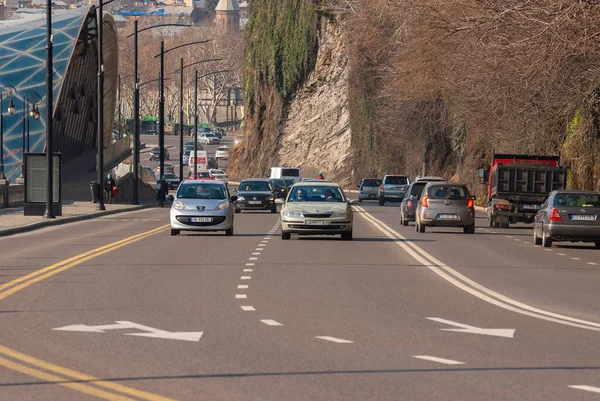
15,195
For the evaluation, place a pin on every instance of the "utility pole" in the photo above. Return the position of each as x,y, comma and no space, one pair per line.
100,130
136,118
49,213
181,121
196,126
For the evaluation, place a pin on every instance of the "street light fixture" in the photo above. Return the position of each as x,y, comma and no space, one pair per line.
31,98
11,91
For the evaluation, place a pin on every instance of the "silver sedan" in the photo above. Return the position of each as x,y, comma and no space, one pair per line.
568,216
202,206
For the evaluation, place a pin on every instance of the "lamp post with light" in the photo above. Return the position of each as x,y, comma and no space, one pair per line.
11,91
31,98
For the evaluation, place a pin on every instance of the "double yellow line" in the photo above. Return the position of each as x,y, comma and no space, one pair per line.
52,373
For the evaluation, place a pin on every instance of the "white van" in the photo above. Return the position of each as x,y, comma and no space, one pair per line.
201,159
289,173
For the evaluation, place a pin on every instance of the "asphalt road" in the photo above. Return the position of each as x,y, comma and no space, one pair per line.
307,319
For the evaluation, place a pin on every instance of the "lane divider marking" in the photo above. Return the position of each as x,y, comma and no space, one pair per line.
335,340
248,308
242,286
587,388
271,322
439,360
470,286
247,270
241,296
245,278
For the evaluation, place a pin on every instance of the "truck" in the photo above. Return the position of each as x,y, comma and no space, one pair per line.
201,159
283,173
518,185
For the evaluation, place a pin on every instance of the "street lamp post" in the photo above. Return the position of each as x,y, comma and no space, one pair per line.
196,126
181,121
31,98
100,128
49,213
11,92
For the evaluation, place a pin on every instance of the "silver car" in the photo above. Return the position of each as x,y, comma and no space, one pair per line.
368,189
446,204
392,188
202,206
409,204
568,216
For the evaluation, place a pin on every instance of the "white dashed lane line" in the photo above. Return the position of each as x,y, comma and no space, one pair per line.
241,296
249,264
439,360
252,258
334,340
247,270
256,253
271,322
242,287
245,278
576,258
587,388
592,263
561,254
548,250
248,308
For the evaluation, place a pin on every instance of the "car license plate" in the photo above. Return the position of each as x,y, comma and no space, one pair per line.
317,222
372,196
447,216
254,202
583,217
530,207
201,219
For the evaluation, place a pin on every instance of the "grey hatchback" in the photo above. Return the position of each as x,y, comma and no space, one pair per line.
368,188
446,204
568,216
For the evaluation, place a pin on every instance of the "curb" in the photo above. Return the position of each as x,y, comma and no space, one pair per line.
35,226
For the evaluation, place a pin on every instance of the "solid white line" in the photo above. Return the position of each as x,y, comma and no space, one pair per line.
252,258
440,360
241,296
270,322
593,263
335,340
248,308
242,286
576,258
245,278
472,287
247,270
587,388
249,264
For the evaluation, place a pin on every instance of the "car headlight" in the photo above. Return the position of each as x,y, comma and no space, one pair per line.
291,213
223,206
178,205
339,214
241,198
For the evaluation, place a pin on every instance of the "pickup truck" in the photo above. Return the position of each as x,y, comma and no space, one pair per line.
518,186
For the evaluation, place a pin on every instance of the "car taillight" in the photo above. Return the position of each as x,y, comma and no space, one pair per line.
409,204
554,215
424,201
470,203
382,186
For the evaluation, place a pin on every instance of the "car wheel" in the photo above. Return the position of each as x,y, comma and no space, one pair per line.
491,222
285,235
536,240
546,241
274,209
469,229
421,228
381,201
347,236
238,210
174,232
597,245
229,232
403,220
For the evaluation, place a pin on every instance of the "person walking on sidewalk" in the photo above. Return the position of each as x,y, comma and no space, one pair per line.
162,190
109,185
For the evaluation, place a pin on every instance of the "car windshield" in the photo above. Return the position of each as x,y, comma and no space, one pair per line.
290,172
279,183
396,180
371,182
210,135
170,176
447,192
577,200
289,182
201,191
417,189
308,193
156,149
217,171
260,186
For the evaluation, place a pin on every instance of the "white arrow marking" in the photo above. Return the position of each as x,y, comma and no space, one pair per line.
587,388
465,328
151,332
335,340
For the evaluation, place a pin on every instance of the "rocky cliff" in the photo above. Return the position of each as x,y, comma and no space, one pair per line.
301,121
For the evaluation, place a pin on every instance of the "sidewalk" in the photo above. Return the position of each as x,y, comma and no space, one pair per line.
12,220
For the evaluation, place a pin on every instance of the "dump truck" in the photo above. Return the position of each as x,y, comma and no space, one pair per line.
518,186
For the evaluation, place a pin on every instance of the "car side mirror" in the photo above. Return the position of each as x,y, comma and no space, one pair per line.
352,202
170,198
279,201
233,198
474,198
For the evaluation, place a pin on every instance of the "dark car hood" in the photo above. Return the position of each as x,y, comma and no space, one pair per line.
249,194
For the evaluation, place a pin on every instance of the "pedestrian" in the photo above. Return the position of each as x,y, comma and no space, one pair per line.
109,185
162,190
320,177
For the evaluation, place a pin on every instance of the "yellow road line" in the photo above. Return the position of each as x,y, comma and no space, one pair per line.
25,281
81,376
82,388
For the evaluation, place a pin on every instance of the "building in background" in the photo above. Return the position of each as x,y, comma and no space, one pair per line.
227,15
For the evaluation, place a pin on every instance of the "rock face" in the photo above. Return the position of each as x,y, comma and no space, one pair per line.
316,133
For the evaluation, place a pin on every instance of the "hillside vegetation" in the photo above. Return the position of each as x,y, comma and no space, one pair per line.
435,86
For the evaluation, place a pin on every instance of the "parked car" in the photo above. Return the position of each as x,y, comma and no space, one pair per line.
256,194
238,140
446,204
168,169
202,206
218,174
316,208
568,216
172,180
208,138
155,153
392,188
221,153
202,175
368,189
408,206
